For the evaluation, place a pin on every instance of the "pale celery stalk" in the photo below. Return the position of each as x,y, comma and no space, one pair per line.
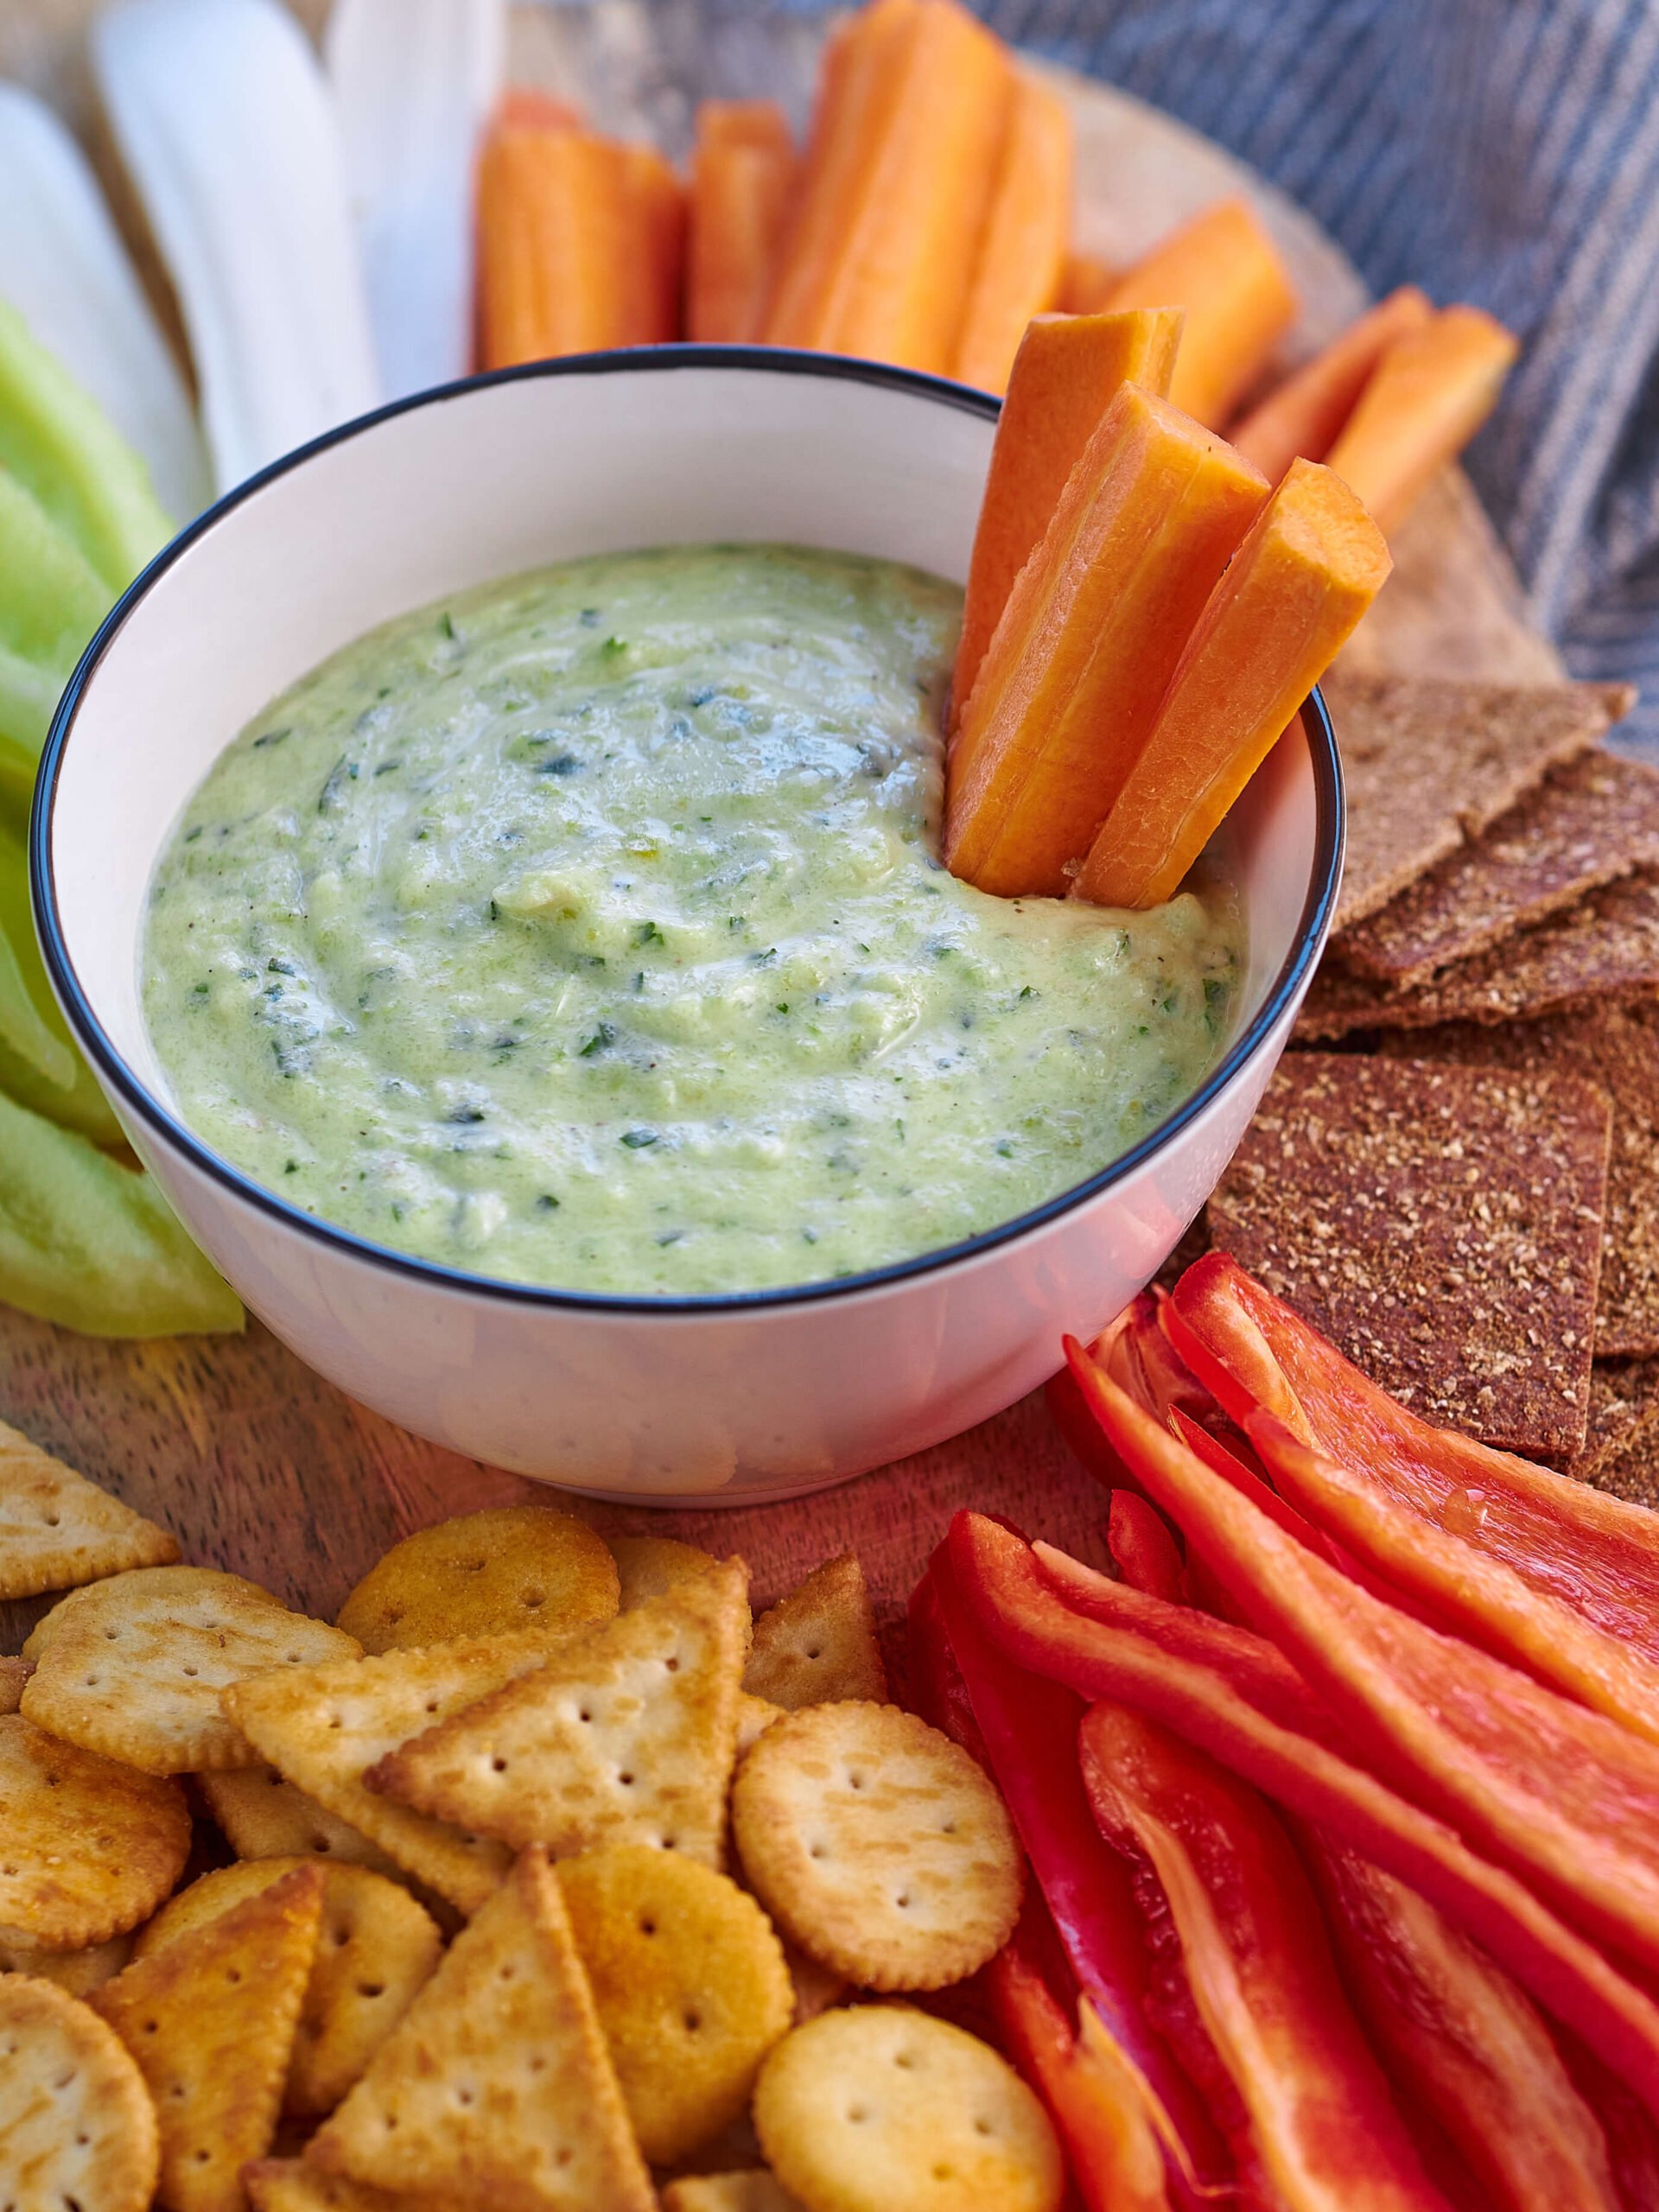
51,600
414,83
38,1065
94,1245
63,267
224,128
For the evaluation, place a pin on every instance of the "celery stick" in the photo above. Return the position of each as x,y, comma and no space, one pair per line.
94,1245
38,1063
51,600
59,445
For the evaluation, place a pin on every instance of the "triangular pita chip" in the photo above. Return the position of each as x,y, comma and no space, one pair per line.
496,2088
626,1735
322,1726
211,2022
58,1530
817,1645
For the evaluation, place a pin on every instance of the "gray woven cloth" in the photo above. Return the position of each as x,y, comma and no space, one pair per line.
1504,152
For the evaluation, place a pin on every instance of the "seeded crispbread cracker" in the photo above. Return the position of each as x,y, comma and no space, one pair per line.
1441,1225
877,1845
14,1673
376,1947
78,1972
210,2022
1631,1471
818,1644
135,1666
1616,1047
496,2088
1590,822
510,1568
58,1530
754,2191
1623,1407
77,2124
626,1735
1605,949
322,1727
90,1847
1430,762
865,2109
262,1815
691,1987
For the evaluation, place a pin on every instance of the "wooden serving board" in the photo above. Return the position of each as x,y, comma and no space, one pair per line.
262,1467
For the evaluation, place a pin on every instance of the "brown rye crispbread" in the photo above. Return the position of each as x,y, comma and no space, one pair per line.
1589,823
1441,1225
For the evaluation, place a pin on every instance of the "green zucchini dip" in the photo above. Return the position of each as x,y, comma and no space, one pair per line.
589,929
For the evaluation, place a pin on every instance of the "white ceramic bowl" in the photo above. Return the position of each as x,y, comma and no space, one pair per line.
737,1398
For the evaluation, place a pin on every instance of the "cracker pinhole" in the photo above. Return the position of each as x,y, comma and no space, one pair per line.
59,1531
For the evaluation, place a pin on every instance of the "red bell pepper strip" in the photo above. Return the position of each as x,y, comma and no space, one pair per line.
1564,1795
1460,2039
1098,2108
1473,1593
1143,1547
1014,1600
938,1692
1027,1726
1593,1552
1324,2129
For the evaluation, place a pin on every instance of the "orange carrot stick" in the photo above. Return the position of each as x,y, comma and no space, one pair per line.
1066,374
1085,283
653,267
880,264
1225,270
1313,563
1091,634
856,81
742,174
1431,392
1022,253
1303,418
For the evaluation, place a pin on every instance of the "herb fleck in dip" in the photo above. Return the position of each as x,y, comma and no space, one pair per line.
588,930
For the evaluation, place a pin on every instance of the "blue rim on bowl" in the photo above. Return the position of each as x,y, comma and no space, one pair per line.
116,1075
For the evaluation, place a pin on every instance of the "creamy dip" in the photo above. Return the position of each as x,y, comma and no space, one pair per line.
588,930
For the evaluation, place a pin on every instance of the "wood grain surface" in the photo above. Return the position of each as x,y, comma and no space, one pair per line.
262,1467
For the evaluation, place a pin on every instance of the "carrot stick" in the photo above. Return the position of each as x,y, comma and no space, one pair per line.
653,267
854,98
1223,268
1022,251
1085,281
1065,375
1313,563
1430,393
896,192
741,174
1304,416
1091,634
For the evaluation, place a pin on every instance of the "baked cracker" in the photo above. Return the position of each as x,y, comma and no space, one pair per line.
626,1735
77,2125
754,2191
1624,1407
296,2185
1430,762
1605,949
1590,822
13,1674
322,1727
90,1847
878,1846
1617,1048
58,1530
818,1644
1631,1472
78,1973
691,1986
211,2022
647,1566
1441,1225
496,2088
133,1666
261,1815
506,1570
376,1947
